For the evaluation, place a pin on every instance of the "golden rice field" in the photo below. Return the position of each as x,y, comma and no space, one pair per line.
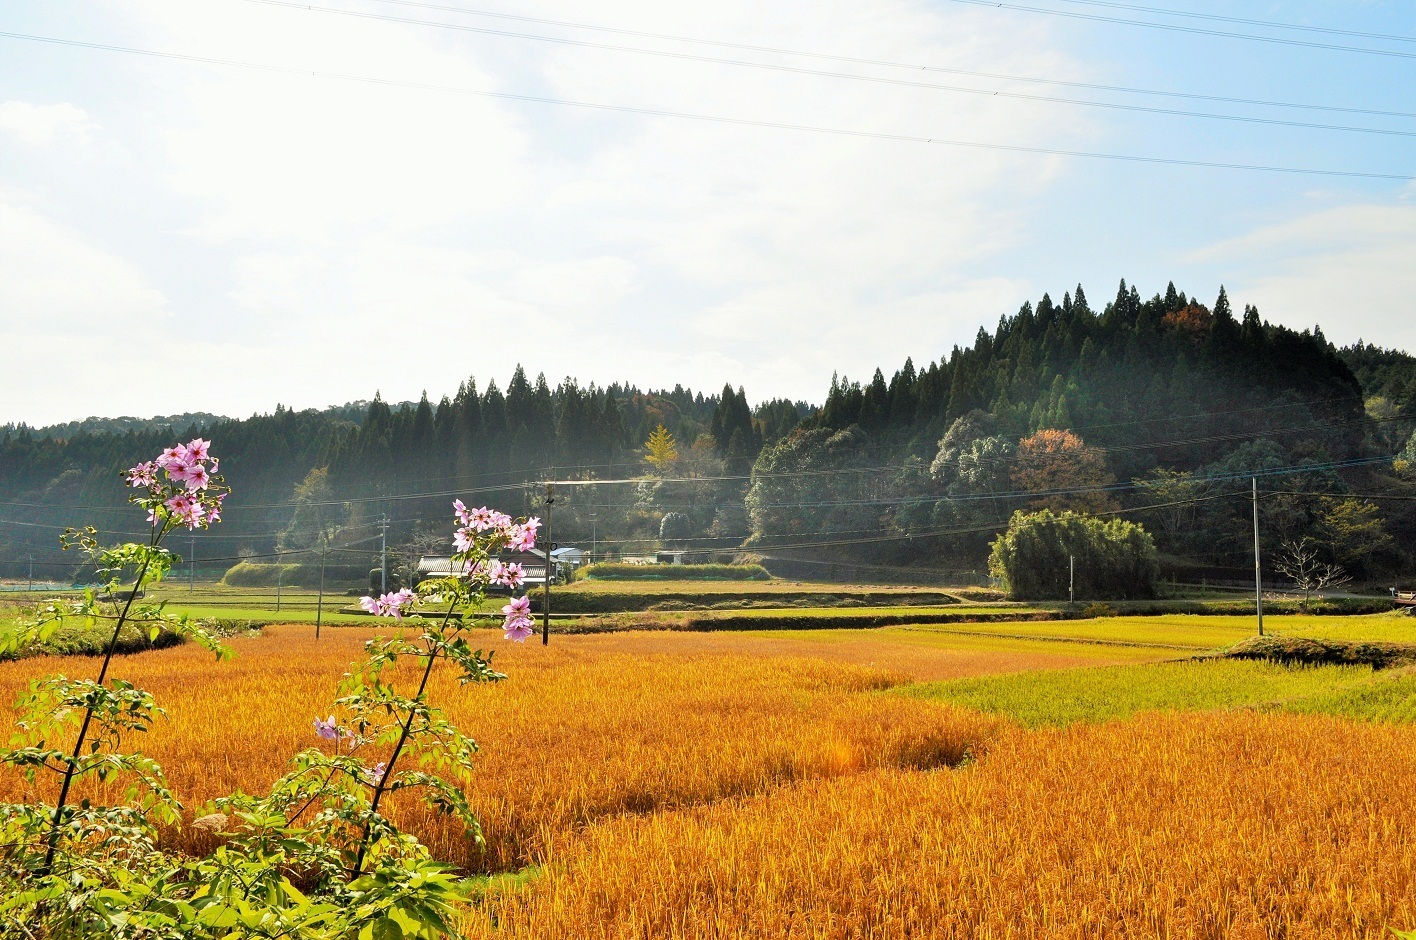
776,786
1203,826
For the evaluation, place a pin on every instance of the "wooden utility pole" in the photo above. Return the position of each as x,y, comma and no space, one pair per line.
1258,567
383,554
546,596
192,565
279,576
1071,579
319,608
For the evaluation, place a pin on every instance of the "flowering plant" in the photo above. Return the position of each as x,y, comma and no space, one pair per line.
90,870
178,489
324,818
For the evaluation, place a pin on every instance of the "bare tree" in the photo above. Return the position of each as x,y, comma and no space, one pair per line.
1300,562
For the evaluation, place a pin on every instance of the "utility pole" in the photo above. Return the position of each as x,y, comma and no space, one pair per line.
1071,579
546,597
1258,568
319,607
279,577
383,554
29,588
192,565
592,536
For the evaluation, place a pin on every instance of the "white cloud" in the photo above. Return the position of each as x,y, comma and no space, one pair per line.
56,283
78,323
1349,268
355,236
40,125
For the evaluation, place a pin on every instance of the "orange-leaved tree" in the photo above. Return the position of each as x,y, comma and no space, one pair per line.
1063,472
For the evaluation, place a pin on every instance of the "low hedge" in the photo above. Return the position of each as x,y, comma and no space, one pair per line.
304,574
609,602
84,640
1296,651
614,571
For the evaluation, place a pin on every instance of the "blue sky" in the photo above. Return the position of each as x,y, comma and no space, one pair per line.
178,235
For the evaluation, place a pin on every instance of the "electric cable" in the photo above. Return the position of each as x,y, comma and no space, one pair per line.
956,89
1199,31
886,63
730,121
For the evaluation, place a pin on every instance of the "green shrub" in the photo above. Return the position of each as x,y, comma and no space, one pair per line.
611,571
304,574
255,574
1115,559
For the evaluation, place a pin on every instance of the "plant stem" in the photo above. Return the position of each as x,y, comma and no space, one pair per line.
88,717
379,789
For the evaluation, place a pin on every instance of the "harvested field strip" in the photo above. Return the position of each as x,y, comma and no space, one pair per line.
1212,632
1238,825
591,727
1061,697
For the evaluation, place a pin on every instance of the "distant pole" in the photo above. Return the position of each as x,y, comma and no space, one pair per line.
383,555
29,588
319,606
1071,579
192,565
1258,568
546,597
592,536
279,576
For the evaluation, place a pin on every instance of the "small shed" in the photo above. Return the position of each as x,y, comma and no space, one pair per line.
568,556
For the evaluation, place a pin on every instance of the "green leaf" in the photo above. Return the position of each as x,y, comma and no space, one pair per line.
385,928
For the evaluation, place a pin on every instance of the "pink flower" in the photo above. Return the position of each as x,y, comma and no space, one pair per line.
178,468
390,604
186,509
175,453
462,540
197,478
511,575
197,450
519,629
214,510
372,775
327,728
521,538
463,514
474,570
144,474
518,625
482,518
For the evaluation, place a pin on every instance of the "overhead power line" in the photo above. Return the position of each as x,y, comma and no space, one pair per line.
718,119
1215,17
886,63
1171,27
821,73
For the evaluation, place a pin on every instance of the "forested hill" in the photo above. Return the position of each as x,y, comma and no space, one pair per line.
1169,381
1167,385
